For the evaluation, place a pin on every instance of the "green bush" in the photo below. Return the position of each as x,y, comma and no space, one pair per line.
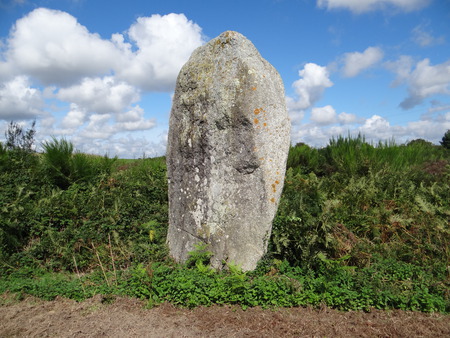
445,142
359,226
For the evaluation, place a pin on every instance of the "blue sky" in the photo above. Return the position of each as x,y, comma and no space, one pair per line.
102,73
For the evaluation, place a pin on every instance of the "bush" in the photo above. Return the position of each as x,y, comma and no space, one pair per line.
446,140
358,226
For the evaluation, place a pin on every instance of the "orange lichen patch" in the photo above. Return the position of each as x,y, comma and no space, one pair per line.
253,88
265,124
257,111
256,121
277,182
272,200
274,188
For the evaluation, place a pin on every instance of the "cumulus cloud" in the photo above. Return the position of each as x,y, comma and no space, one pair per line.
345,118
54,48
164,45
324,123
432,130
19,101
100,95
99,80
315,135
133,120
75,118
103,106
98,127
363,6
310,87
323,115
356,62
375,128
103,126
426,80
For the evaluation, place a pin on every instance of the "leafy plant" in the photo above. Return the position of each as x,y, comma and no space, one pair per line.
445,142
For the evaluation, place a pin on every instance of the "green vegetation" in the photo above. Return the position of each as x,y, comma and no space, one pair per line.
359,227
446,140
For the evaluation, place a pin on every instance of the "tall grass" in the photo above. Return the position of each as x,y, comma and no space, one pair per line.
64,167
355,156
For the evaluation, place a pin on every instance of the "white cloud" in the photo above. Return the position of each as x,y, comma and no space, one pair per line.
100,95
133,120
362,6
356,62
424,38
20,101
164,45
75,118
99,80
425,81
98,127
125,145
295,116
376,127
429,130
401,67
310,87
314,135
104,126
324,115
95,97
345,118
53,47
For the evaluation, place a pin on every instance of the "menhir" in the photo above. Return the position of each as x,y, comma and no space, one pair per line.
228,142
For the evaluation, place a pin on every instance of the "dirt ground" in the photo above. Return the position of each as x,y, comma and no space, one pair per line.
126,317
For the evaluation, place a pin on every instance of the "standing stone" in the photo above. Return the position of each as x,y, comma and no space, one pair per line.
228,142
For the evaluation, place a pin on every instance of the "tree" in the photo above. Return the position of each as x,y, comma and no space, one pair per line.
446,140
420,141
19,139
18,151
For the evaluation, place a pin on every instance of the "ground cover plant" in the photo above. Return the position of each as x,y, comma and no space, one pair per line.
359,226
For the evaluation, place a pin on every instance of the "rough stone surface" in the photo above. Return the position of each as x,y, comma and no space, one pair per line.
228,142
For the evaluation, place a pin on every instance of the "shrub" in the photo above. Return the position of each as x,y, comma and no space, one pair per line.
445,142
358,226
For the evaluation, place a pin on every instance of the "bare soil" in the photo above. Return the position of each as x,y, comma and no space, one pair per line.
126,317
